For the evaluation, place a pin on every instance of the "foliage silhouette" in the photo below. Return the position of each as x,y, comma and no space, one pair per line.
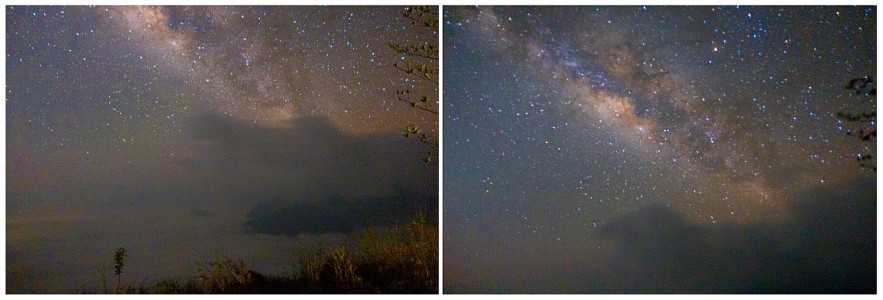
864,86
422,63
118,258
397,260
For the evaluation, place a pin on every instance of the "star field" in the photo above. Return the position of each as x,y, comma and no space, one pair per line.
562,121
141,126
141,70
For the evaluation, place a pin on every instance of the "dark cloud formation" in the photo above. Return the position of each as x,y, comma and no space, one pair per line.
336,182
630,149
306,183
827,246
333,214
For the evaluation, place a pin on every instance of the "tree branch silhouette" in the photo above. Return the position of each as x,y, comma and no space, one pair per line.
423,64
864,86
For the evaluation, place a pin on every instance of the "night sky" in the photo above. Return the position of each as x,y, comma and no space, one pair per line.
187,134
657,149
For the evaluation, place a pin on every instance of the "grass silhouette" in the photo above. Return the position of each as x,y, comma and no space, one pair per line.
403,260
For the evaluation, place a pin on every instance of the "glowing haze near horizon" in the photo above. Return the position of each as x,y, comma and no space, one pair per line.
657,149
187,134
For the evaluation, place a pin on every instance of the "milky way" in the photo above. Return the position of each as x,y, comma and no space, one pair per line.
186,134
562,121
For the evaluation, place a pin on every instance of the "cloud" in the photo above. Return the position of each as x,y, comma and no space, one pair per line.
235,189
320,179
828,245
336,214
